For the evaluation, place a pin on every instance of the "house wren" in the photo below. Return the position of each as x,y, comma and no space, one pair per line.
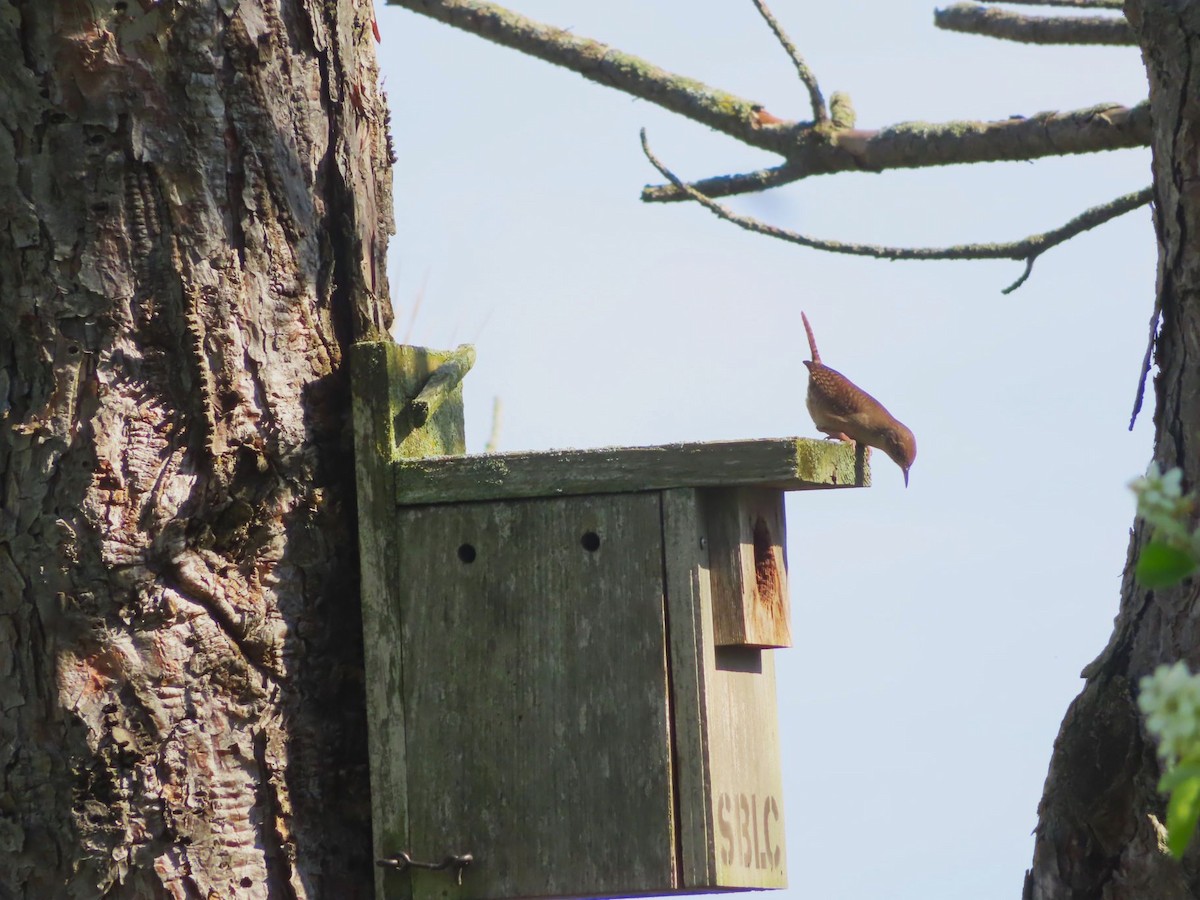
843,410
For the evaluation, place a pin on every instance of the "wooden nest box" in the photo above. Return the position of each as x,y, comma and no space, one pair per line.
569,660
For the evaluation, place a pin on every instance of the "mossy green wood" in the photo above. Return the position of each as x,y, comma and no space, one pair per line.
536,696
788,464
385,379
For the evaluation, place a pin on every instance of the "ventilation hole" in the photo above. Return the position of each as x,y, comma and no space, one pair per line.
466,553
590,541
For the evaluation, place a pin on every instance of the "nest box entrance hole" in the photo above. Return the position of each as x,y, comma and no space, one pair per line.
748,567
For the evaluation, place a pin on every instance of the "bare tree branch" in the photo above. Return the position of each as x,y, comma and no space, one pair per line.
1027,249
608,66
911,145
813,150
1009,26
820,113
728,185
821,147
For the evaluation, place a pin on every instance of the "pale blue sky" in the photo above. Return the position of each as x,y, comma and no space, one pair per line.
939,631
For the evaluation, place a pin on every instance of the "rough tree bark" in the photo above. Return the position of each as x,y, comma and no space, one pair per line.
1099,832
194,203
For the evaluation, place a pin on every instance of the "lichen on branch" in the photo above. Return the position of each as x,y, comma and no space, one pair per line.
830,142
971,18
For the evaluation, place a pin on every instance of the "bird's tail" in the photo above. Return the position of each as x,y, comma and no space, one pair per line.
812,341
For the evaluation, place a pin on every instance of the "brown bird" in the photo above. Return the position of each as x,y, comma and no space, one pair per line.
760,117
843,410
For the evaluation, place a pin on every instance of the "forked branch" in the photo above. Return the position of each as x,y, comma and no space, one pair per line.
808,149
602,64
911,145
1027,249
820,113
830,143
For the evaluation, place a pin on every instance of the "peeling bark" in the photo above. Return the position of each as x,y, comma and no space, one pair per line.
1099,832
194,210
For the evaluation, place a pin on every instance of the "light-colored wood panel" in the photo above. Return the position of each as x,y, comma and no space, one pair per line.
728,769
747,783
747,547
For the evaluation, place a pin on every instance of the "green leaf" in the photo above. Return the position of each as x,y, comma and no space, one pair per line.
1183,810
1179,774
1162,566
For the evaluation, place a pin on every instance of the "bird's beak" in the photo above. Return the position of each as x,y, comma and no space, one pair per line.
906,477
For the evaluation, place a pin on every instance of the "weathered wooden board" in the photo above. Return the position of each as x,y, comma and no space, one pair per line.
747,549
545,686
728,768
690,627
790,464
386,377
747,780
534,696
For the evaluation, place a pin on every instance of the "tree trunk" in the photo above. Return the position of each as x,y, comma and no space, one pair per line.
194,204
1099,832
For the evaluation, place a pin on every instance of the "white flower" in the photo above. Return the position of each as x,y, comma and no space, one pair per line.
1161,502
1172,484
1153,475
1170,700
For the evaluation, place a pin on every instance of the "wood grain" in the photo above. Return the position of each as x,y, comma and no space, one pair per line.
747,781
386,376
534,696
747,547
790,464
690,633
